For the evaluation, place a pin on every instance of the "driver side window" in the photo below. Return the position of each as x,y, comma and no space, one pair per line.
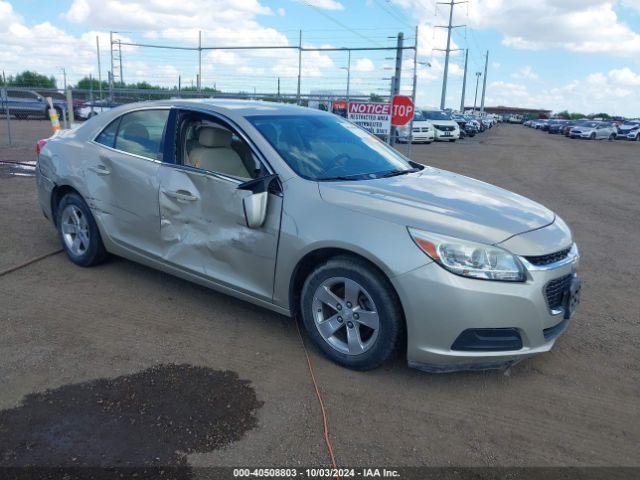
207,144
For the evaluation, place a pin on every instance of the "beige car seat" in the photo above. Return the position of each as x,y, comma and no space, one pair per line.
214,153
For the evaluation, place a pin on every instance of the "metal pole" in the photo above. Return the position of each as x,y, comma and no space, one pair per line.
446,58
278,88
70,115
111,71
464,80
413,91
348,75
199,60
395,84
120,56
5,100
179,86
484,82
91,93
64,78
99,68
299,68
475,98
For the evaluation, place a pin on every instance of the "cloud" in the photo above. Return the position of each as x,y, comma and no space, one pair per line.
613,92
324,4
363,65
584,26
525,73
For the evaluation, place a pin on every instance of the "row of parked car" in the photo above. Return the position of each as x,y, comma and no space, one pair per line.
590,129
24,104
431,125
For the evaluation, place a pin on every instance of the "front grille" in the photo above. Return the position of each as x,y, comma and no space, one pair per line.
555,290
445,128
425,129
416,130
541,260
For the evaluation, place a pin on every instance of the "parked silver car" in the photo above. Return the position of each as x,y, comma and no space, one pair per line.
594,130
308,215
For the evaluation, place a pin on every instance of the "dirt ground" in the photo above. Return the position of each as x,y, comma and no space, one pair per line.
66,329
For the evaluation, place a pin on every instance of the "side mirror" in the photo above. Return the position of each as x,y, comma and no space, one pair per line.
255,205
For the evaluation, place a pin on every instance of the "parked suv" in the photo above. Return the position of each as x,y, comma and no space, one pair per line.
28,103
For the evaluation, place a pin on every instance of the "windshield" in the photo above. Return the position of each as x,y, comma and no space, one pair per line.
327,147
435,115
418,116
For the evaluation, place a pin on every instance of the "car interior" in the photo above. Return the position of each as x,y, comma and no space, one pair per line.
211,146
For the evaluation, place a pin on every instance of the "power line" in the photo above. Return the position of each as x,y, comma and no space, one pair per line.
338,22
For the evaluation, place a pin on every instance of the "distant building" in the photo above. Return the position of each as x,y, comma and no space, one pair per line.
525,112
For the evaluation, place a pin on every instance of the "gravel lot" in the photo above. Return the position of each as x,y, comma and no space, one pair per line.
70,329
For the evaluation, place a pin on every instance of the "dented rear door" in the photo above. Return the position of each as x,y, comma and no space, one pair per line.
203,230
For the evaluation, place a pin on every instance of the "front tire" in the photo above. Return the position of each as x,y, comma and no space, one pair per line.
351,312
78,232
592,136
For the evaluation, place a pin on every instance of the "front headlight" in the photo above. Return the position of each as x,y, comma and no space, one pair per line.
469,259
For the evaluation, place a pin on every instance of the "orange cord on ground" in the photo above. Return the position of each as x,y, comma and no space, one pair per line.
325,419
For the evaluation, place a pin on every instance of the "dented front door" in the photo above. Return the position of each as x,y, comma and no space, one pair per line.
203,230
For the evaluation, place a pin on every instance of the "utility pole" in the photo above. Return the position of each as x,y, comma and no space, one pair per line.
299,68
99,68
449,27
64,78
395,82
484,81
199,59
111,71
475,99
120,56
278,88
348,74
179,86
464,80
413,90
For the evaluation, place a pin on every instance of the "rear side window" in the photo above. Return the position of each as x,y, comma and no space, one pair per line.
141,133
108,135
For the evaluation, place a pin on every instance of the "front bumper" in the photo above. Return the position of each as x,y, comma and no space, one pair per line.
417,137
627,136
439,306
444,136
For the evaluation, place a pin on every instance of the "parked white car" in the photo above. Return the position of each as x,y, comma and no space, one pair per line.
91,109
629,130
594,131
423,130
445,128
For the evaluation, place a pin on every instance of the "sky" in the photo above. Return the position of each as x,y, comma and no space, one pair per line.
576,55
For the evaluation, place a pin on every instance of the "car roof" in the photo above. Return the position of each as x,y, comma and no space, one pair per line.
231,107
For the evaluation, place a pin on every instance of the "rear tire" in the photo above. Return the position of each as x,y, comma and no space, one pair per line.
78,232
351,312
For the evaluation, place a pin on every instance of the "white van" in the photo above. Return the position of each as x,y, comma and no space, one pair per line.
445,128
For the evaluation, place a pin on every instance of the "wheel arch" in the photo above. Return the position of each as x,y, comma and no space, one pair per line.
317,257
57,194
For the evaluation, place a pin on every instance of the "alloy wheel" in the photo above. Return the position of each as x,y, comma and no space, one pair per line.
345,315
75,230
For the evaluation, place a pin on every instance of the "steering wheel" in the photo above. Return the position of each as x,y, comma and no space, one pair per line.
336,162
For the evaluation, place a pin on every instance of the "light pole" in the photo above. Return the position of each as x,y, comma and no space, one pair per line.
475,99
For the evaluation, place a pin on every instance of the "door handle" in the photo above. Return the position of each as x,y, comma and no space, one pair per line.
181,195
100,170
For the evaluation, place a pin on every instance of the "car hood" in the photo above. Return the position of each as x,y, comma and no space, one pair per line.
444,123
441,202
